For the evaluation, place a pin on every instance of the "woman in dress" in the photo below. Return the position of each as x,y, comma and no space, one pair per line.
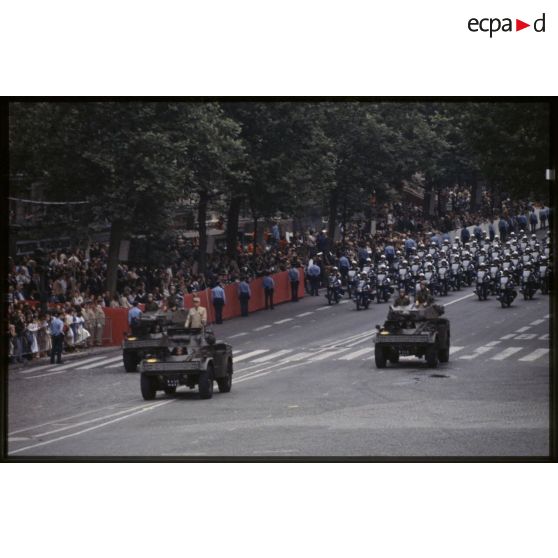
43,337
32,330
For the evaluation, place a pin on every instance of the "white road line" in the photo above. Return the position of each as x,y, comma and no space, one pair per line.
272,356
547,317
522,329
526,336
534,355
237,335
236,351
47,374
344,301
101,363
508,336
36,368
283,321
117,365
356,354
506,353
91,427
251,354
265,372
536,322
96,419
479,351
459,299
492,343
297,356
455,349
324,308
77,363
303,314
366,339
544,337
326,355
261,328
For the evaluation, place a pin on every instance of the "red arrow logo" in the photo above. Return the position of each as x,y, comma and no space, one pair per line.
519,25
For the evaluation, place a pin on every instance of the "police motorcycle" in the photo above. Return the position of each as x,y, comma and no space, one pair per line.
431,277
352,278
421,251
506,289
443,273
529,282
517,267
469,271
483,282
334,288
405,277
494,270
544,275
456,274
533,241
383,284
362,292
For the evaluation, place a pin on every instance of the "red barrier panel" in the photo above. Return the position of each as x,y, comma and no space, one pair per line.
119,323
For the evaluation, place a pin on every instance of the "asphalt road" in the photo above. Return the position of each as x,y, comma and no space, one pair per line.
311,389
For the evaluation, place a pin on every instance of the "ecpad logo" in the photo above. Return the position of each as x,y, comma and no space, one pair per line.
493,25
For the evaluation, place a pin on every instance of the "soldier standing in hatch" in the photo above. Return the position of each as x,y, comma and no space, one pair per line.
424,298
197,316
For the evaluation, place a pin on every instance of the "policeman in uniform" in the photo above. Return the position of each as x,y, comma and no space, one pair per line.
294,279
57,333
219,300
244,296
134,315
269,288
314,273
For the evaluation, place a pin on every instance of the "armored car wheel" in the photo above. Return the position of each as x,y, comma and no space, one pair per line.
170,390
443,354
380,357
394,356
205,382
432,356
148,387
130,362
225,384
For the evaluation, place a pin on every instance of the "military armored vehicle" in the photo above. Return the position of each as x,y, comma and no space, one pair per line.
413,331
191,357
149,336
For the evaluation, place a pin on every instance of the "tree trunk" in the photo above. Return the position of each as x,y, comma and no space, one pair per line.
333,198
202,229
232,225
116,234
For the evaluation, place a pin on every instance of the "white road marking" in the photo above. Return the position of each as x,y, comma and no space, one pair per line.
366,339
102,363
272,356
459,299
455,349
544,337
36,368
522,329
536,322
324,308
343,301
479,351
117,365
262,328
283,321
491,344
77,363
535,355
303,314
508,336
251,354
236,351
506,353
325,355
526,336
237,335
356,354
547,317
297,356
47,374
148,408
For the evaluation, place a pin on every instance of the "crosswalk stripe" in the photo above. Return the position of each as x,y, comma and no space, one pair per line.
479,351
544,337
525,336
325,355
508,336
101,363
492,343
77,363
534,355
297,356
272,356
356,354
455,349
117,365
251,354
506,353
522,329
536,322
36,368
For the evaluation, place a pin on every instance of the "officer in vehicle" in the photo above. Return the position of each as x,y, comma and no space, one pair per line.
423,297
402,299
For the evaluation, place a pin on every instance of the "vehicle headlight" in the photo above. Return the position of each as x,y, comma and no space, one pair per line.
152,360
132,338
384,332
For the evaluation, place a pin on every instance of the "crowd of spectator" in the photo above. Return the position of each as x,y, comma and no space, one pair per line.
75,280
